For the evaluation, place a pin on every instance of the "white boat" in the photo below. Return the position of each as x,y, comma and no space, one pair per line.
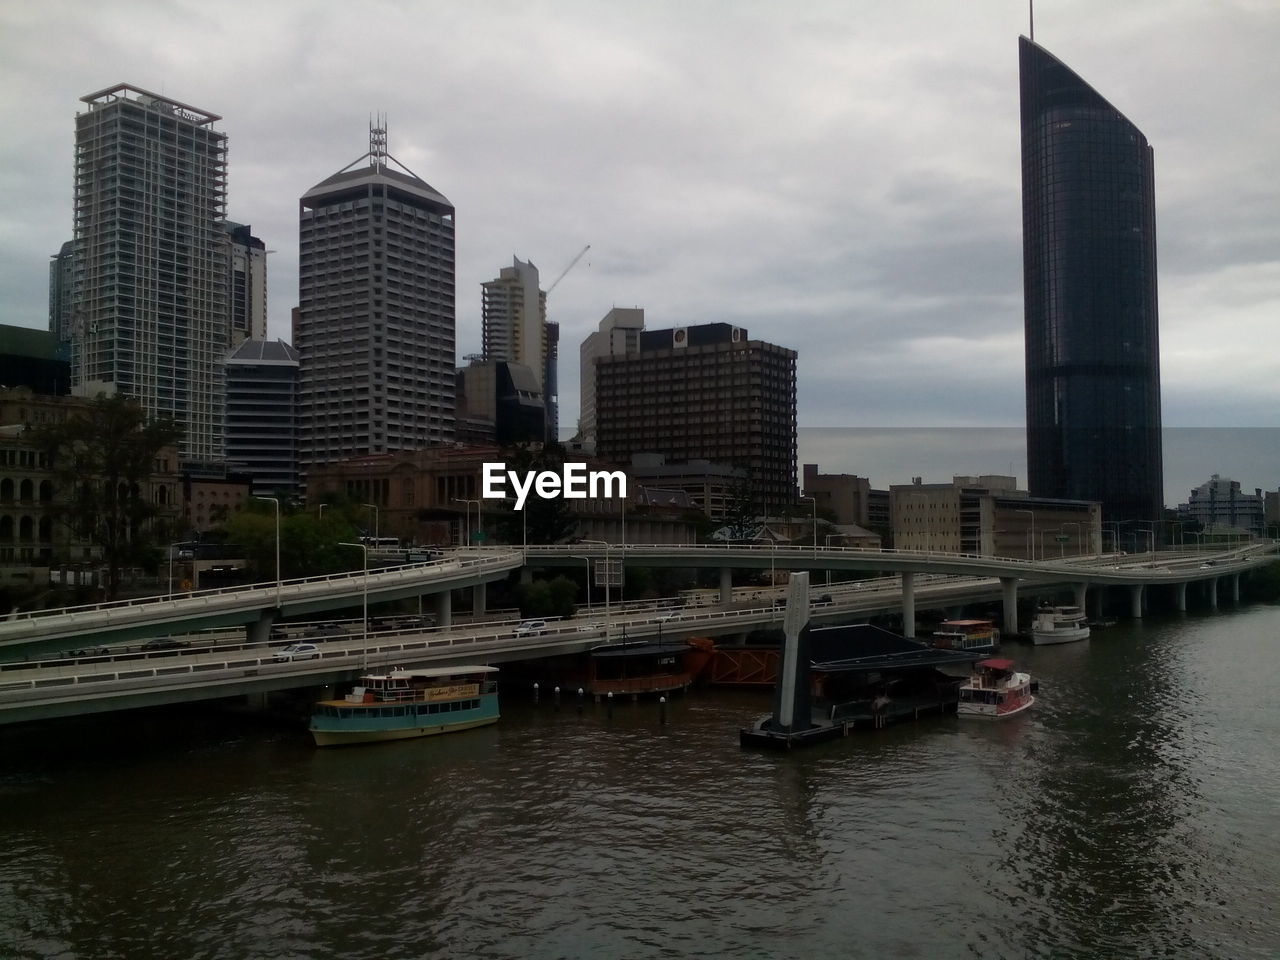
1059,625
995,691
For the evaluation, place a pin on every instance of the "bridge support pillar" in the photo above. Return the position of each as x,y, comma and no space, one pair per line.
1180,596
526,574
1235,589
256,701
260,630
909,605
1099,606
1082,592
1212,584
444,609
726,585
1009,589
479,597
1135,601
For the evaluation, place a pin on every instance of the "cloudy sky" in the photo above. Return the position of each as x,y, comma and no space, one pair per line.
840,178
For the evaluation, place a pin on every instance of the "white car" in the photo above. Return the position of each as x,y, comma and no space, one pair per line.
297,651
529,628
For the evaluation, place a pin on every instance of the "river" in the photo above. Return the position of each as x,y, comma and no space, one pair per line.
1134,811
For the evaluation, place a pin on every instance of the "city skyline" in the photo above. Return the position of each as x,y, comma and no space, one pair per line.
844,184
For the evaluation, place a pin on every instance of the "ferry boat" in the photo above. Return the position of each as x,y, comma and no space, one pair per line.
995,691
1059,625
977,636
404,704
648,667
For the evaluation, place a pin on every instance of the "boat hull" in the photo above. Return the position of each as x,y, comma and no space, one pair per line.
340,738
984,711
1044,637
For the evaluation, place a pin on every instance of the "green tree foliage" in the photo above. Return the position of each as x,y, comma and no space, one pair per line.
101,459
547,598
542,521
310,546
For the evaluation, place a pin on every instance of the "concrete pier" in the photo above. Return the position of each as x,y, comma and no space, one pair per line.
444,609
909,605
1009,589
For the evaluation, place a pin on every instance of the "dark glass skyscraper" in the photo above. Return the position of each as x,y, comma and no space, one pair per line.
1089,281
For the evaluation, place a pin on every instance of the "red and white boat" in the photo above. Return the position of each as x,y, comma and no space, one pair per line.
995,691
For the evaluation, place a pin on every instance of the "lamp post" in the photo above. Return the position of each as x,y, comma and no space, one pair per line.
1079,545
276,503
364,607
467,515
826,545
814,501
1032,539
322,506
374,508
1152,534
171,548
608,575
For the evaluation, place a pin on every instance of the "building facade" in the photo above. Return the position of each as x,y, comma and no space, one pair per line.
262,416
1089,280
988,516
375,322
618,335
704,392
848,497
516,330
246,285
1219,503
62,278
149,301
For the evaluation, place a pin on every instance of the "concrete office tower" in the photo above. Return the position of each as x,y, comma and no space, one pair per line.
149,311
61,289
246,284
703,393
262,416
1089,279
515,329
619,334
375,322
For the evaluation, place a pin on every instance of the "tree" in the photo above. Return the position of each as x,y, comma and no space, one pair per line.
309,546
543,520
102,459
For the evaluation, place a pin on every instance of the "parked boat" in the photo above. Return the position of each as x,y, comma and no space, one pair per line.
648,666
977,636
1059,625
408,703
994,691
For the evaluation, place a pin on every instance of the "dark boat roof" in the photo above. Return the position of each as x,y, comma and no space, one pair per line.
862,647
643,649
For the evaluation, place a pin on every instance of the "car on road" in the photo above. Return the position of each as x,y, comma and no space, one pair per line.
528,628
297,651
326,630
165,645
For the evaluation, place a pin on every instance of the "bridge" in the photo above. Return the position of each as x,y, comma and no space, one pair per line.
35,688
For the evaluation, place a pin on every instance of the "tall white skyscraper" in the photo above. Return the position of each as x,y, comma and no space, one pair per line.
149,294
375,322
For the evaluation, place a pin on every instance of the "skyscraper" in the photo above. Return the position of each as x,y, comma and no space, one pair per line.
515,329
149,300
619,334
703,392
262,400
246,284
1089,281
375,323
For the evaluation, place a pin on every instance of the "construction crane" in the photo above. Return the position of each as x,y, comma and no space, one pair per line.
572,264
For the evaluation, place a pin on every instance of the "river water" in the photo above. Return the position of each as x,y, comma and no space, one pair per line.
1134,811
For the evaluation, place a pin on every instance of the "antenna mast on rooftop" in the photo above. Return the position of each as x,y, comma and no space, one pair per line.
1032,5
378,140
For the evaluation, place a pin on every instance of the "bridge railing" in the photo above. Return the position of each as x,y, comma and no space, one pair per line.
293,587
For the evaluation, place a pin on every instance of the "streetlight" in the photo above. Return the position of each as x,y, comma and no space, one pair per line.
467,515
171,546
364,619
276,503
1152,534
608,575
815,522
1079,545
1032,539
374,508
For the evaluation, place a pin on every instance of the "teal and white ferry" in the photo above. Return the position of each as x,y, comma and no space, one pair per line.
408,703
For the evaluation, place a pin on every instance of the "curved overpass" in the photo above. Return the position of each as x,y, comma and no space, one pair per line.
256,606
